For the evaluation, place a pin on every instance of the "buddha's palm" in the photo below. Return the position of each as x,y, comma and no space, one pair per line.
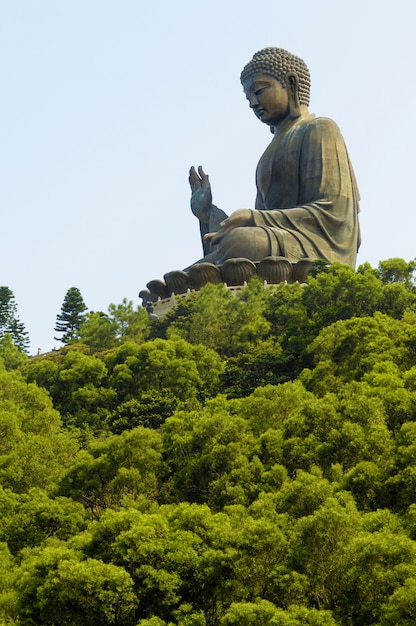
201,199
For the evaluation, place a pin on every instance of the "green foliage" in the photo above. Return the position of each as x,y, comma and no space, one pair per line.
208,318
100,331
10,325
58,586
11,356
8,595
400,608
151,409
212,456
29,424
119,466
319,546
249,614
79,392
222,321
97,331
263,613
397,271
173,367
265,363
69,320
176,557
361,349
131,324
340,293
129,385
29,519
252,463
377,565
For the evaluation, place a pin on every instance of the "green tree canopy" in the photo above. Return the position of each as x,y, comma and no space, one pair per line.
69,320
397,271
9,320
253,463
98,331
132,324
34,449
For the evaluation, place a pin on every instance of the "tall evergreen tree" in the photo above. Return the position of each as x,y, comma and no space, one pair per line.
9,320
69,320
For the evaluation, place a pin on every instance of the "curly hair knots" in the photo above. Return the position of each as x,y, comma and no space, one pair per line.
277,62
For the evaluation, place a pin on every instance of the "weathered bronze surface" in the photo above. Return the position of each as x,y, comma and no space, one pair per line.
307,198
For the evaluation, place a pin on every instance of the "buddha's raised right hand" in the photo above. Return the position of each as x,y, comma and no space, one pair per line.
201,199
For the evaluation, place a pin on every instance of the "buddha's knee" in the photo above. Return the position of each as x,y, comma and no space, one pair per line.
234,244
248,242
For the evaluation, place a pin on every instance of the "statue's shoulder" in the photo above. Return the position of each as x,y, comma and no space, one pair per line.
316,129
323,124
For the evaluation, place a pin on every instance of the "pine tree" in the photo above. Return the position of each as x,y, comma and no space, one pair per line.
9,320
71,316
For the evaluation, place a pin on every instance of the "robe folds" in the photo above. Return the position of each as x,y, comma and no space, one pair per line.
307,196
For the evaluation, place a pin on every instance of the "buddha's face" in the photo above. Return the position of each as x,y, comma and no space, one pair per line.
267,97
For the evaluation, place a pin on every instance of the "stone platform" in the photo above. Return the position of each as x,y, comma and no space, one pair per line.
161,296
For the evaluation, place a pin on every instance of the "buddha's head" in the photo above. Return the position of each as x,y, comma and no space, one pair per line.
282,66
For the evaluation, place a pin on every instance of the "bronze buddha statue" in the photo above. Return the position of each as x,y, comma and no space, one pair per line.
307,198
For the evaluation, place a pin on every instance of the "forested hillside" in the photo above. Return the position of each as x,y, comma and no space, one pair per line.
249,460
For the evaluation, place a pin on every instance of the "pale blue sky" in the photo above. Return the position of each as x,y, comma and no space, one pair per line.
105,105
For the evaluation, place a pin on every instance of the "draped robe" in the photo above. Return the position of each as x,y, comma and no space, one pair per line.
307,196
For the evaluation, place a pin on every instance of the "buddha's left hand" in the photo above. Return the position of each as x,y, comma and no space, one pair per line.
241,217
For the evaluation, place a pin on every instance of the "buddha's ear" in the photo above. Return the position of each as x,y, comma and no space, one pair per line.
292,82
